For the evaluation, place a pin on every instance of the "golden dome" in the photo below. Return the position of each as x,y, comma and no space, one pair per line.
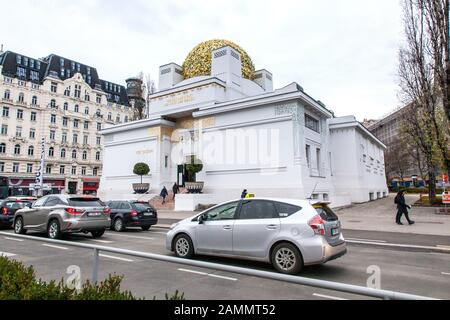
198,61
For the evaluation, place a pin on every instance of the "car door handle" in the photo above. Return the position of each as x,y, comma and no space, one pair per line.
272,227
226,227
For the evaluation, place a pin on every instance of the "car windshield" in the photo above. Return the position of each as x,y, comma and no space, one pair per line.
18,205
86,202
325,212
141,206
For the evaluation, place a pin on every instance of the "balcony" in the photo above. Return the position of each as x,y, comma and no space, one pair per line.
21,103
6,100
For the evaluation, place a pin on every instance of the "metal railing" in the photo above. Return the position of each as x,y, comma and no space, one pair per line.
336,286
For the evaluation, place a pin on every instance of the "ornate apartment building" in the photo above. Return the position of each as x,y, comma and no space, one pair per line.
64,102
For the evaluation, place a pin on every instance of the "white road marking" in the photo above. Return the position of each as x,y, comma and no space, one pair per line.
328,297
7,254
56,247
443,246
193,271
14,239
117,258
208,274
370,240
446,273
221,277
401,245
127,236
102,241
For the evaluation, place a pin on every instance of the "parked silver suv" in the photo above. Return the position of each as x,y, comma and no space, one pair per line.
287,233
58,214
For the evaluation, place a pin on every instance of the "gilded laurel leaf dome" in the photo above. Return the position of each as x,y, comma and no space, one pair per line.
198,61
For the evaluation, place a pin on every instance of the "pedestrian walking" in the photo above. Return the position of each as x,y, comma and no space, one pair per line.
163,194
244,194
402,208
175,189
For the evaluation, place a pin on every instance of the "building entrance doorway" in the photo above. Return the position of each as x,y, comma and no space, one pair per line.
181,175
72,187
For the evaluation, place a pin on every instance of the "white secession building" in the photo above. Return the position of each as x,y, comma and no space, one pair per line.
278,143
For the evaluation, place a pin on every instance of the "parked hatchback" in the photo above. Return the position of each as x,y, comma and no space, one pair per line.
59,214
132,213
9,206
289,234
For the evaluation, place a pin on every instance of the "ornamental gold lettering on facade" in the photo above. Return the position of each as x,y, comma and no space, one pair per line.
179,99
144,151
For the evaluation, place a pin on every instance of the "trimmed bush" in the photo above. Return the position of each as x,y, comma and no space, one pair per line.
141,169
18,282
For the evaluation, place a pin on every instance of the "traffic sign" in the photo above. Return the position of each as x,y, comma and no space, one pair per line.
446,197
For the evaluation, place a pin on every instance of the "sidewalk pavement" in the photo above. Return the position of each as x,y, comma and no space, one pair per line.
376,215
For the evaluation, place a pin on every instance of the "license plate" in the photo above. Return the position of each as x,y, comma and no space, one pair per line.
148,213
94,214
335,231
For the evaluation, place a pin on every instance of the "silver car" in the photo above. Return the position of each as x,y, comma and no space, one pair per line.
289,234
58,214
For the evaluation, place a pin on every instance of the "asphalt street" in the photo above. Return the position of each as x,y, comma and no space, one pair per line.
419,272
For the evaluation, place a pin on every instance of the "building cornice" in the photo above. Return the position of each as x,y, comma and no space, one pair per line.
145,123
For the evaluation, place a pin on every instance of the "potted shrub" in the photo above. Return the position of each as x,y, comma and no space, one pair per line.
193,166
141,169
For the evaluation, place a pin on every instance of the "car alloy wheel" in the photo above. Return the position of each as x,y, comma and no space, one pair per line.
53,230
18,226
182,247
285,259
118,225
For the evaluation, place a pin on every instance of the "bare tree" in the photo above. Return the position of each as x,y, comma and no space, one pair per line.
419,60
397,160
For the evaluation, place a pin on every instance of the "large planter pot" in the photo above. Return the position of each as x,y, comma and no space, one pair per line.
141,188
194,187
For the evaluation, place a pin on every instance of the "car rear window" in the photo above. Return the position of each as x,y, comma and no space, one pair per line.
85,202
286,209
141,206
17,205
325,212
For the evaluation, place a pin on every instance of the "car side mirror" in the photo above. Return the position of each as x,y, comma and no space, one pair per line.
202,218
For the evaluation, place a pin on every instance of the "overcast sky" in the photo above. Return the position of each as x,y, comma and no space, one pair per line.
343,52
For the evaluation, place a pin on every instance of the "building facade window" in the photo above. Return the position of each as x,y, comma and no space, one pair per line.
74,154
52,134
86,124
86,110
126,119
99,126
33,116
31,151
53,118
53,87
17,149
53,103
98,99
83,171
62,169
77,91
2,148
65,120
84,157
21,97
5,112
75,138
48,169
63,153
4,129
51,152
308,155
97,156
74,170
20,114
34,75
312,123
67,91
117,119
95,171
21,72
98,140
18,132
66,106
15,167
75,123
32,133
110,116
2,167
34,100
85,139
76,108
29,168
64,137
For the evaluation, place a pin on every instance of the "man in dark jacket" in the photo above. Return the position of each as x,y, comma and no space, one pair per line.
175,189
402,208
244,194
164,194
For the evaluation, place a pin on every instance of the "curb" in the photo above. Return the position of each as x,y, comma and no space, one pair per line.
404,246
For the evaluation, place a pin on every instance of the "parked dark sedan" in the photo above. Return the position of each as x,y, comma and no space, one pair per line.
9,206
132,213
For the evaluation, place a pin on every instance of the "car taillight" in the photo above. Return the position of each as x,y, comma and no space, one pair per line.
107,211
5,211
74,211
317,224
133,213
